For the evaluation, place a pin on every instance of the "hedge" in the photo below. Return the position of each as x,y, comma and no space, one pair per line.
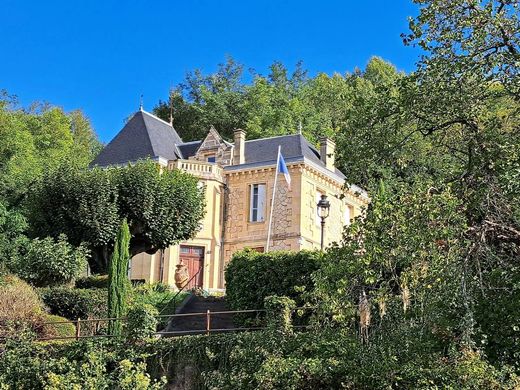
328,359
253,276
74,303
93,281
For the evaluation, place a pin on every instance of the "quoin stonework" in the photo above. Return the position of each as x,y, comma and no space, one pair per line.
238,178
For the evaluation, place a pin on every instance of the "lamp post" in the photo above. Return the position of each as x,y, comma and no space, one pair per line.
323,208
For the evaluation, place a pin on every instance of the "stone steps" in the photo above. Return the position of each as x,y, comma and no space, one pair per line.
197,324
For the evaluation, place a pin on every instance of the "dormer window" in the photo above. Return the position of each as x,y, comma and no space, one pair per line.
211,158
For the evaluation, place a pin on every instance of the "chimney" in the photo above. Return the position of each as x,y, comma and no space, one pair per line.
327,152
240,145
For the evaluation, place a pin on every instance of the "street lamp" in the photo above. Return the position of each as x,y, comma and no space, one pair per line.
323,207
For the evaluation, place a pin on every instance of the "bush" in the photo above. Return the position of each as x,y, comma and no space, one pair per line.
93,281
20,308
97,364
252,276
141,322
50,263
74,303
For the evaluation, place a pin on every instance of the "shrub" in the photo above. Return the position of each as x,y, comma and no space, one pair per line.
252,276
20,308
93,281
74,303
279,313
141,322
155,294
50,263
97,364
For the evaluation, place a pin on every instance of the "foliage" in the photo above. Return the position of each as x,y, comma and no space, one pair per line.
118,282
35,140
20,308
74,303
12,226
142,322
60,328
46,262
329,359
159,295
252,276
79,365
278,312
269,105
88,206
92,281
435,257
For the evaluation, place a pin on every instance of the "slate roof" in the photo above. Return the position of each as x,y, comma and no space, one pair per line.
146,136
143,136
294,148
189,149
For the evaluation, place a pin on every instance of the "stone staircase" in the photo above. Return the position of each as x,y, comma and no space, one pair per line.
197,324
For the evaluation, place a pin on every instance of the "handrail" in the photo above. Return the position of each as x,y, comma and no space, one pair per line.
208,329
181,290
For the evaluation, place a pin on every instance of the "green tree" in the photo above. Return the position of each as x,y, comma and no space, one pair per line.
37,139
118,282
269,105
444,141
12,228
88,205
47,262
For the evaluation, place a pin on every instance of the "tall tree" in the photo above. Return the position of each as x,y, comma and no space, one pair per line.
88,206
445,141
118,282
37,139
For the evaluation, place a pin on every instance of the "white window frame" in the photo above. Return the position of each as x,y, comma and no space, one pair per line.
257,199
347,216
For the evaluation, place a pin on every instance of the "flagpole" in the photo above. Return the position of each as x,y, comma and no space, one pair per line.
272,199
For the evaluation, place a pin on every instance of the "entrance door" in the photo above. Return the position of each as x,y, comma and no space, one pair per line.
193,258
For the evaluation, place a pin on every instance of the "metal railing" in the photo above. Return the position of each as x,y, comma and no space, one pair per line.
206,330
181,290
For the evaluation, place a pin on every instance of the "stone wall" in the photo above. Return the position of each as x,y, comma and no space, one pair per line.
214,144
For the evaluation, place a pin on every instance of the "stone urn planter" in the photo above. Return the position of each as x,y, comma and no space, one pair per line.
181,276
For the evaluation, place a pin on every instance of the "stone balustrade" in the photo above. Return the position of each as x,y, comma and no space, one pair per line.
203,170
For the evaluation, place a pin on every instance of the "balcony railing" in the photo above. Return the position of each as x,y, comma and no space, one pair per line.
199,169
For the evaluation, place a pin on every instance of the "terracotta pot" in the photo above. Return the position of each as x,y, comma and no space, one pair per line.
181,276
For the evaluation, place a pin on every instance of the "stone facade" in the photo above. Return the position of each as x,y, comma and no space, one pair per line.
214,145
227,226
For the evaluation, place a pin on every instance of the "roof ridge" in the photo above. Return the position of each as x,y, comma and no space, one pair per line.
156,117
276,136
147,132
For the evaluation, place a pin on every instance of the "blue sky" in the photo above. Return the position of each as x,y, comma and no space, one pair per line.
99,56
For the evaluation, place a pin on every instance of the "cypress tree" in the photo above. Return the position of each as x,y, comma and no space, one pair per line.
118,283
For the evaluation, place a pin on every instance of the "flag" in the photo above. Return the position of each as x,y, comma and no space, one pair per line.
282,168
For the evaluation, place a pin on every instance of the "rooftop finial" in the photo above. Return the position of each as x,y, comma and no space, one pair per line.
300,128
141,103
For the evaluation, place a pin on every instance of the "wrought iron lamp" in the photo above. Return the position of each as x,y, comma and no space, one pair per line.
323,208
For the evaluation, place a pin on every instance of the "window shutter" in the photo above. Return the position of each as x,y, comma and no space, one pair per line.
261,202
251,195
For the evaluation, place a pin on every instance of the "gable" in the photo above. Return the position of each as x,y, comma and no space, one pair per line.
214,145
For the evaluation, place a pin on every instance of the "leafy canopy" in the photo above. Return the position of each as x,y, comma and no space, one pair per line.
88,205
